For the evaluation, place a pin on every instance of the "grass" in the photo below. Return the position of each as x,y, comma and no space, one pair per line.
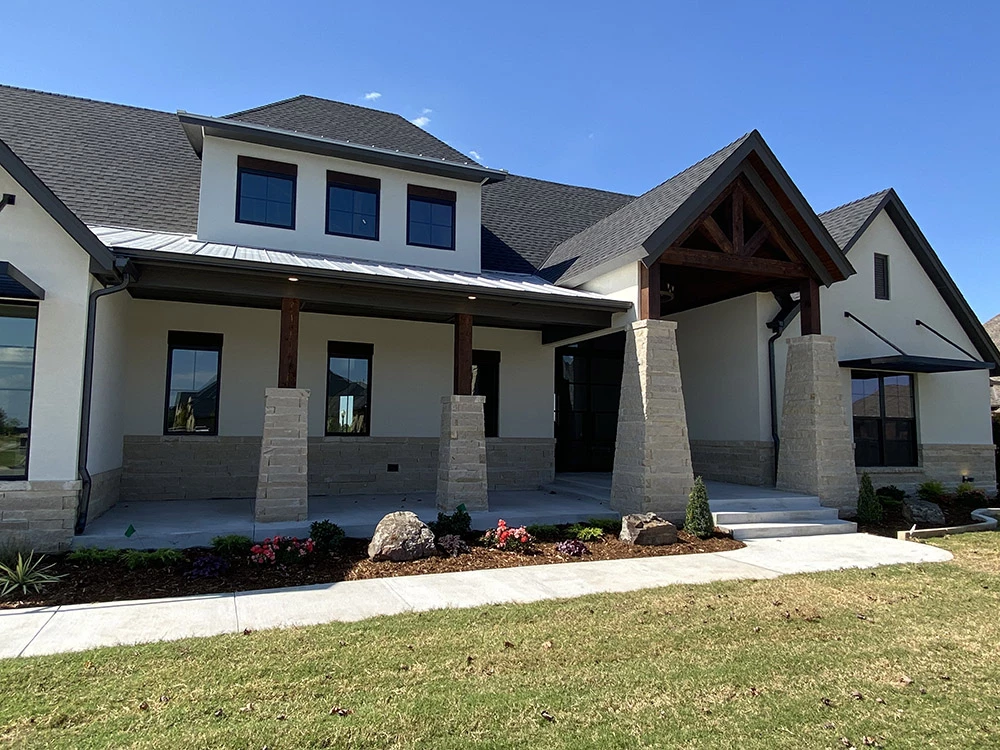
764,664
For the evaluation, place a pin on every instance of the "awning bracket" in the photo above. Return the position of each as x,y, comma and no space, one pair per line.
872,331
947,340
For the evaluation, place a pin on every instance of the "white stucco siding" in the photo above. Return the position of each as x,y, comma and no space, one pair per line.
35,243
107,410
217,209
622,283
411,369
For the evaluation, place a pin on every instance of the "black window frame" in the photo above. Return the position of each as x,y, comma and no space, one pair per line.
433,196
882,421
31,398
349,350
357,183
882,292
193,341
484,358
266,168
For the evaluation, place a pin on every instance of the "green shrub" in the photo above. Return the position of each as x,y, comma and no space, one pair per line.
458,523
326,537
232,546
610,526
890,496
546,532
27,574
698,519
94,556
589,533
136,559
869,508
968,493
932,491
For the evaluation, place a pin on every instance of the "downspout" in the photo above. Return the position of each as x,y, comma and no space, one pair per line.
777,324
85,406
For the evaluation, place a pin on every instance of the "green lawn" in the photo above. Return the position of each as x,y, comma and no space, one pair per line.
769,664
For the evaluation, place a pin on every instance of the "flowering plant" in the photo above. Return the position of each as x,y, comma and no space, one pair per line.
503,537
281,550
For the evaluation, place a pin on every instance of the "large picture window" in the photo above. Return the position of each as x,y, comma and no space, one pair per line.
265,193
486,382
17,362
194,368
348,389
352,205
885,425
430,218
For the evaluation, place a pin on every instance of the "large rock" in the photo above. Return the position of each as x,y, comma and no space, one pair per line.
647,529
922,512
401,536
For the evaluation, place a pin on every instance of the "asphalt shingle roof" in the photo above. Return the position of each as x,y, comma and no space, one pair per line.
349,122
843,222
627,228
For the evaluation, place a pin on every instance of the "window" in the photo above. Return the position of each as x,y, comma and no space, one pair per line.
430,218
17,364
352,205
348,393
265,193
486,382
885,426
881,276
194,368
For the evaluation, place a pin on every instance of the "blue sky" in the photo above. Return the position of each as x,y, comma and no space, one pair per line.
852,96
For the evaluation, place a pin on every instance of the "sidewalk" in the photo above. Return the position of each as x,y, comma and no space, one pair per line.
51,630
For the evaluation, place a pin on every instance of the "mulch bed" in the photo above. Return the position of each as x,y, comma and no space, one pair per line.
957,512
85,584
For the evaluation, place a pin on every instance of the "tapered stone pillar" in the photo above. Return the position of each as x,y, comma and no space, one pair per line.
652,471
816,454
462,454
282,483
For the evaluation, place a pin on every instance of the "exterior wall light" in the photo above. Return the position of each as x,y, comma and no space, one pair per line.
472,296
966,479
293,278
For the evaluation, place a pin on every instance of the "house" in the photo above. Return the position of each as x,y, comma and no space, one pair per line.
313,298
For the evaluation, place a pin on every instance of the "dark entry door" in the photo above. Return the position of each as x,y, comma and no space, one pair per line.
588,384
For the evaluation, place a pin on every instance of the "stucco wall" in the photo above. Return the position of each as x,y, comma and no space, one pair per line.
621,283
217,209
107,411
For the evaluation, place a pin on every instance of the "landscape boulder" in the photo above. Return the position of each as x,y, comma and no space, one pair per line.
922,512
647,529
401,536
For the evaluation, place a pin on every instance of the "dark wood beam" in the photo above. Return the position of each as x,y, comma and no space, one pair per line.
680,256
463,354
809,306
288,343
704,215
649,291
777,235
754,243
714,231
738,221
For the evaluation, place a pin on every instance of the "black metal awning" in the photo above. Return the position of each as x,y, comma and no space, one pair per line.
15,285
908,363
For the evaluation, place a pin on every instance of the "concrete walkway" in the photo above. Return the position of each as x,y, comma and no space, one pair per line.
49,630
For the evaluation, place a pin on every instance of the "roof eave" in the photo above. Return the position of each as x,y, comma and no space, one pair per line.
196,127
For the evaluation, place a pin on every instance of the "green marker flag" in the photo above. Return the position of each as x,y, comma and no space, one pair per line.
130,530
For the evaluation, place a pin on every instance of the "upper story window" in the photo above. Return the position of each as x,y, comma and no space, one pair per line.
885,425
352,204
194,366
17,358
430,218
881,276
265,192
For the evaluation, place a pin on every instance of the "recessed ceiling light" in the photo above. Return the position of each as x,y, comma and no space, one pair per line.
293,278
472,296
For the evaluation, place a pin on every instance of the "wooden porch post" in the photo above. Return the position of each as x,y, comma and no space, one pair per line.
809,306
649,291
288,347
463,354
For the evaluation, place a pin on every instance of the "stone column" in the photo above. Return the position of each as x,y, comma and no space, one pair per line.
282,483
462,454
816,454
652,471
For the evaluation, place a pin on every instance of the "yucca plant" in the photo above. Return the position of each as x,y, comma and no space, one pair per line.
27,574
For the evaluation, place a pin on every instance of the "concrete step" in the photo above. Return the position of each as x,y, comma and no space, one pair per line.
779,529
771,515
756,505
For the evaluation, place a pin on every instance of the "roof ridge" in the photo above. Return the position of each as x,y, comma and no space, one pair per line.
84,99
264,106
877,193
315,98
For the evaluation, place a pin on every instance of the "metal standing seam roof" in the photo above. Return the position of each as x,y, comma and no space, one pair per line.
170,243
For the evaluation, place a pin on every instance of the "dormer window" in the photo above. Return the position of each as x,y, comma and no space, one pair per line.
430,218
352,204
265,193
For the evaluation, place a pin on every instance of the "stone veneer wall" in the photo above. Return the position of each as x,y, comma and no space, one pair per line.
461,477
38,515
105,489
203,468
283,481
737,461
943,462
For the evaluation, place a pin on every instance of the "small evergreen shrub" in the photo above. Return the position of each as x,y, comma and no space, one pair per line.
890,496
94,556
546,532
869,508
326,537
609,526
27,574
458,523
572,547
208,566
232,546
137,559
698,519
932,491
453,545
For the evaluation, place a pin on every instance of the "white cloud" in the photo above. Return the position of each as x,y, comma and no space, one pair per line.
426,111
475,155
421,121
372,96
